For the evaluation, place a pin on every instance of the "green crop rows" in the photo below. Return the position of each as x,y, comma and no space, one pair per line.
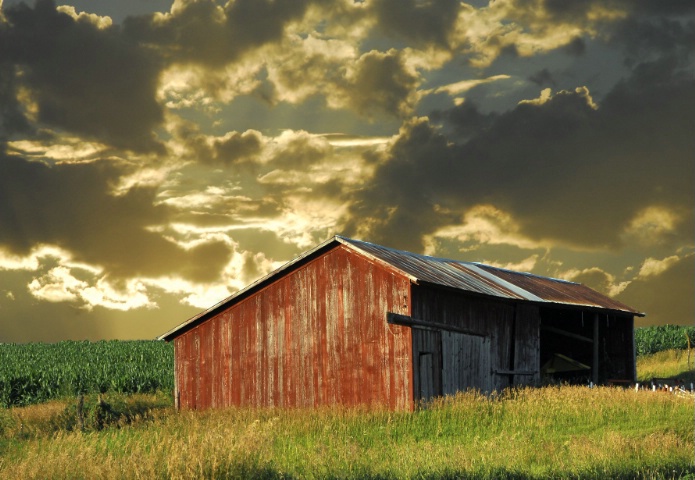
650,340
37,372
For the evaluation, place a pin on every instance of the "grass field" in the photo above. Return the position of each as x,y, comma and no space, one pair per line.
553,432
674,364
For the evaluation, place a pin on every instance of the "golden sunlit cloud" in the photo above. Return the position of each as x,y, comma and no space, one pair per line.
58,285
465,85
597,278
651,225
68,150
133,296
527,27
205,89
652,266
547,95
96,20
33,260
485,225
525,265
342,140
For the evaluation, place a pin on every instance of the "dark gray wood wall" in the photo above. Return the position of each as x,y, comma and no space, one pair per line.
503,350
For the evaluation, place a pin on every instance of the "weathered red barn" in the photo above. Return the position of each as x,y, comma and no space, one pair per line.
354,323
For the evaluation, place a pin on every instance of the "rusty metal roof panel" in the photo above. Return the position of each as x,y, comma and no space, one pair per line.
559,291
466,276
439,271
488,280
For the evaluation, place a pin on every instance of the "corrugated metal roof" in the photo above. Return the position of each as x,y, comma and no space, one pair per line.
467,276
488,280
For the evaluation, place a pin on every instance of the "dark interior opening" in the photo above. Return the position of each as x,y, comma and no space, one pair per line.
572,341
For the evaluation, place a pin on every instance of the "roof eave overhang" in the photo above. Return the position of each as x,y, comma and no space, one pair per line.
533,301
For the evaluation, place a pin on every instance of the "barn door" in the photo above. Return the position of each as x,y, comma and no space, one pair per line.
465,362
426,375
446,362
427,369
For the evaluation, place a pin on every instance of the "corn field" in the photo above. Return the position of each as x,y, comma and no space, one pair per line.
649,340
37,372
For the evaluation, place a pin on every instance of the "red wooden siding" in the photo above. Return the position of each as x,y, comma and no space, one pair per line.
317,335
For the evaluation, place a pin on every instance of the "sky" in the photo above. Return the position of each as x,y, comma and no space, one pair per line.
157,156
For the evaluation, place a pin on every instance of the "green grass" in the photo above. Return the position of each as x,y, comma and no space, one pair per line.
550,432
668,364
553,432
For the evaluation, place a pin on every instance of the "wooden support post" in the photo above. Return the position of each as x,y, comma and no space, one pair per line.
594,365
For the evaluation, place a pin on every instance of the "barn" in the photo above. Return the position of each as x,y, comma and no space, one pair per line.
354,323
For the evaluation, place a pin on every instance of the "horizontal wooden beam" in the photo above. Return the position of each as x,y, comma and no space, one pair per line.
500,371
566,334
398,319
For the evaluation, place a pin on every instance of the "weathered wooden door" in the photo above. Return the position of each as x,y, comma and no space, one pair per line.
465,362
427,355
447,362
426,375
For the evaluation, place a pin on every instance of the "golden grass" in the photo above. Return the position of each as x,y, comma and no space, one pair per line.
553,432
667,364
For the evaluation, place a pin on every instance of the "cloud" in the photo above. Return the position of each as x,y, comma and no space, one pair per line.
565,167
423,24
96,20
653,225
598,279
72,206
373,84
382,83
668,297
485,225
648,37
525,265
465,85
205,33
61,285
527,28
81,77
653,266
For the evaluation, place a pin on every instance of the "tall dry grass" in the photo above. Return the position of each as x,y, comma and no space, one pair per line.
553,432
676,364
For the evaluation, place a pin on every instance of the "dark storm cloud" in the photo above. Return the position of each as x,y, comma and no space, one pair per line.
235,147
565,171
382,84
465,121
202,32
542,78
662,7
398,206
566,11
646,38
83,79
422,23
69,206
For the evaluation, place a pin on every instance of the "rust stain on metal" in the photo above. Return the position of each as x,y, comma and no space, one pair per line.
559,291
